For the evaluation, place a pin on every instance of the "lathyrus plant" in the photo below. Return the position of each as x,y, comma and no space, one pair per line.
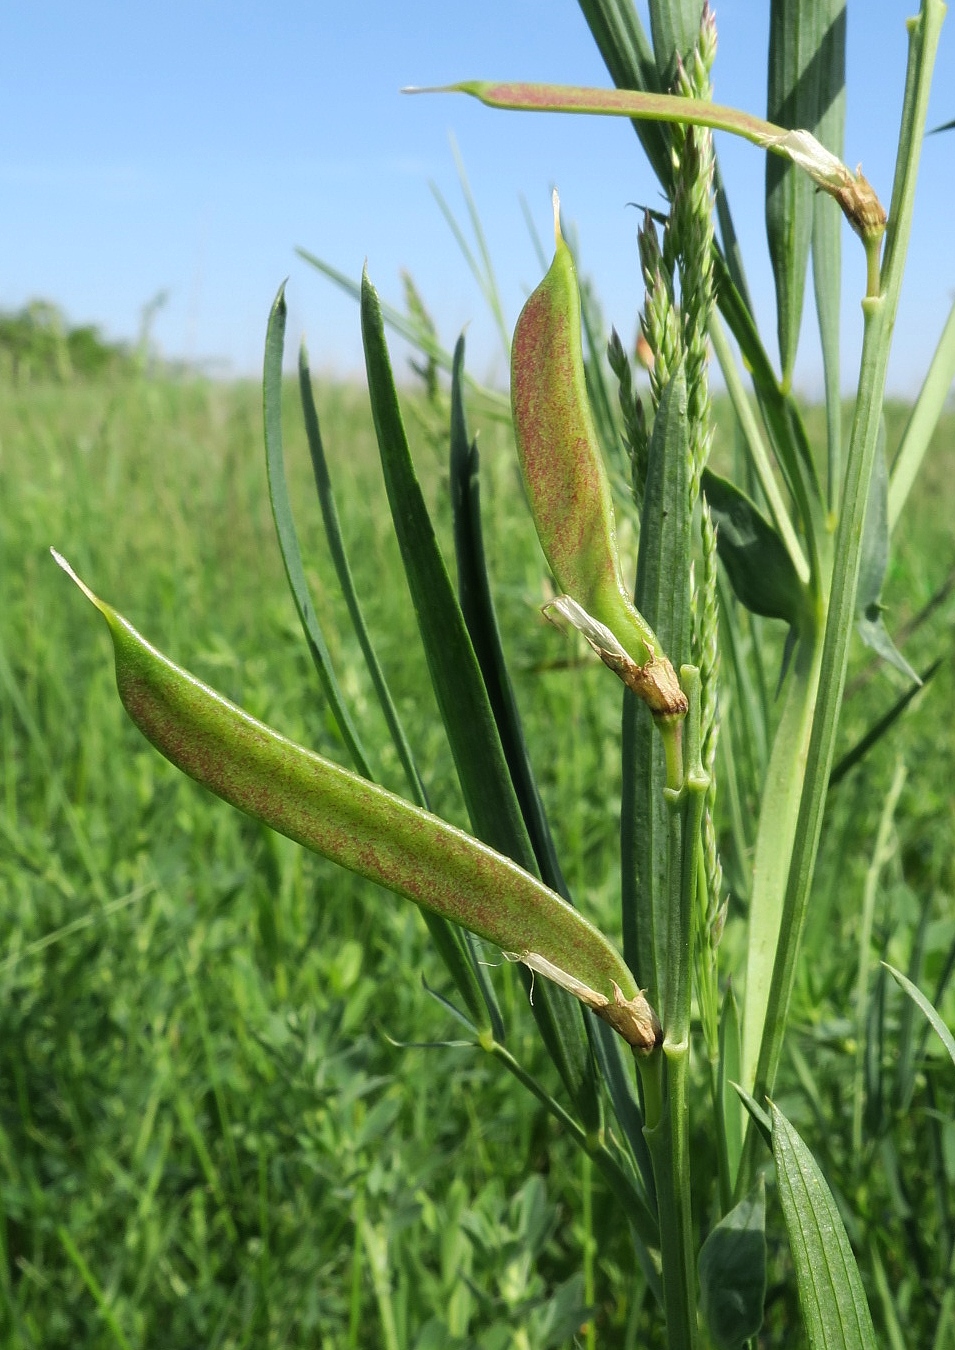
802,539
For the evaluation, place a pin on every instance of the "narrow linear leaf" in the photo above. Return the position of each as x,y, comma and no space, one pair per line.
875,733
675,26
288,539
757,561
751,441
831,1296
880,316
730,1123
798,33
489,795
494,403
922,1003
336,548
477,606
616,1069
780,413
827,229
732,1269
923,420
728,247
873,565
622,41
454,945
757,1115
459,689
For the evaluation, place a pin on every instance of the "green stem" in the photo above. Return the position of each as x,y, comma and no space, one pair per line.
589,1247
666,1094
879,319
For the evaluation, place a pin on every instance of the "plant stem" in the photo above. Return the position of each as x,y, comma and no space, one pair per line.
589,1247
879,319
666,1084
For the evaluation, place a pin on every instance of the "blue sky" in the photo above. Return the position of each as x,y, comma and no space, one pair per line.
189,147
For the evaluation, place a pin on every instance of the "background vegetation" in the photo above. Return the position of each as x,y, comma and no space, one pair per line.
207,1134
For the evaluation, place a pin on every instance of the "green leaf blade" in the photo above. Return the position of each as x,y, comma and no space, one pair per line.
873,565
454,944
463,700
732,1270
827,231
675,27
926,1008
757,561
833,1302
799,44
288,537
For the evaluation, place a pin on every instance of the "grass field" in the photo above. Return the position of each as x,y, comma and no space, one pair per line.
208,1136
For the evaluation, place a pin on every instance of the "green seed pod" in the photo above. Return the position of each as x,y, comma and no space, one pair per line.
370,831
566,481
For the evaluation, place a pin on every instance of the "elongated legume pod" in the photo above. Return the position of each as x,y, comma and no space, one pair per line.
566,481
369,830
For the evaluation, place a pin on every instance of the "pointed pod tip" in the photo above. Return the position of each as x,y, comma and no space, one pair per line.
61,562
555,198
432,89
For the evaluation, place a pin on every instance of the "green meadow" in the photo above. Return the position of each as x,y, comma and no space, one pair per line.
233,1111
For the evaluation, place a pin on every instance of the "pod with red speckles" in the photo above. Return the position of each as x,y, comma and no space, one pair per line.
564,473
369,830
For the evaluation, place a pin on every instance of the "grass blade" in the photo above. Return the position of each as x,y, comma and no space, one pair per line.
628,56
831,1296
729,1108
875,733
776,839
489,794
781,416
732,1268
757,562
288,539
462,697
477,607
482,272
923,420
89,1279
494,403
827,232
922,1003
757,453
801,38
872,568
336,548
675,26
879,320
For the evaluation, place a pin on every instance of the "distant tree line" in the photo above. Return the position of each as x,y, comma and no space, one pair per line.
37,343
